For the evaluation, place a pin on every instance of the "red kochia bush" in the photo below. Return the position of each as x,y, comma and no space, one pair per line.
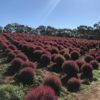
46,52
67,56
28,64
79,63
97,59
13,47
54,50
16,63
73,83
22,56
37,53
25,75
45,59
87,69
11,55
53,81
31,48
8,50
70,67
17,51
53,56
4,47
95,64
59,59
41,93
74,55
88,58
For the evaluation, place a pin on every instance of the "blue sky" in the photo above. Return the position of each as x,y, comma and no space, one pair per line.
56,13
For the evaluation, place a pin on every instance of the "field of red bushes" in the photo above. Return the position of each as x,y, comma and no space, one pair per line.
65,65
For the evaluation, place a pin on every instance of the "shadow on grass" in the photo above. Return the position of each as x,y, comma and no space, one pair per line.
86,79
55,68
10,71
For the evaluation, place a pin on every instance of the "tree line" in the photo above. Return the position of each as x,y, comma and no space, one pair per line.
81,31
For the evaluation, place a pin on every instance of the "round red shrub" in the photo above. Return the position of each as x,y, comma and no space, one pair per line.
46,52
39,48
98,59
11,55
79,63
17,51
87,69
53,81
22,56
88,58
53,56
45,59
93,54
74,55
31,48
48,49
81,52
94,64
4,47
12,47
25,75
28,64
67,56
37,53
59,59
54,50
63,51
73,83
8,50
41,93
16,63
70,67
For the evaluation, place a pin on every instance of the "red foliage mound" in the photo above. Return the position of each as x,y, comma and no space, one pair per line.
87,69
4,47
98,59
17,51
70,67
22,56
37,53
53,56
59,59
11,55
46,52
8,50
45,59
79,63
88,58
74,55
13,47
31,48
53,81
25,75
67,56
28,64
93,54
41,93
73,83
54,50
94,64
16,63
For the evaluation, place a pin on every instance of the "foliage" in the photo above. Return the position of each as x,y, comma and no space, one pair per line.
10,92
25,75
70,67
41,93
52,81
